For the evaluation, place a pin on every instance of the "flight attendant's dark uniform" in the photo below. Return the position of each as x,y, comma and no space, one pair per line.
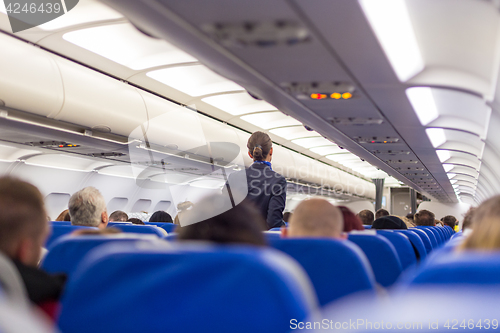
267,190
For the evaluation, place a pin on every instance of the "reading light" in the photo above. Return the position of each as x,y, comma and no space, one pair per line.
437,136
346,95
391,23
336,95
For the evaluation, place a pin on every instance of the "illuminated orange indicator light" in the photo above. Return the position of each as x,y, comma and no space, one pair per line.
346,95
60,146
336,95
318,96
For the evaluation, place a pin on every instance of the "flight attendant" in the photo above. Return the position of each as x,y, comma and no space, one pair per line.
266,188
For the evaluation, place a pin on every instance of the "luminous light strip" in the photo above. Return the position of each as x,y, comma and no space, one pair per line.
125,45
84,12
437,136
195,80
423,104
238,104
451,175
443,155
2,8
391,23
448,167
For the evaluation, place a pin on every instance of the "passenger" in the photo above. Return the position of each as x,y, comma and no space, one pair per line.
425,218
450,221
389,222
366,216
23,231
467,223
351,221
118,216
486,221
64,216
88,208
438,223
381,212
242,224
266,188
410,216
315,218
409,222
161,216
286,216
135,221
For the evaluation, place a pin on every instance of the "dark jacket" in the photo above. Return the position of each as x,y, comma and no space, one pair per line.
267,190
41,286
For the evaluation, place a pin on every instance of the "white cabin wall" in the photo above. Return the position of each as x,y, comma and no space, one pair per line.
440,210
357,206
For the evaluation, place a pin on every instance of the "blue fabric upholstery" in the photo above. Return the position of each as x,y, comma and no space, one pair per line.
457,235
59,230
441,234
168,227
405,250
416,242
272,235
367,226
461,268
336,267
275,229
67,252
382,256
139,229
429,239
205,289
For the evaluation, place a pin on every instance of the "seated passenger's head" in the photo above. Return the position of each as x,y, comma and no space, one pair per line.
467,222
486,231
389,222
118,216
366,216
260,147
23,222
351,221
315,218
64,216
425,218
242,224
287,216
450,221
161,216
135,220
381,212
87,207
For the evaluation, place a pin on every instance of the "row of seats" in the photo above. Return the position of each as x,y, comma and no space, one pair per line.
370,257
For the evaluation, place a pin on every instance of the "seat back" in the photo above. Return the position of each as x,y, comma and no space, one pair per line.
457,235
140,229
416,242
185,288
405,250
463,268
425,239
67,252
168,227
59,230
367,226
432,236
336,267
382,256
440,233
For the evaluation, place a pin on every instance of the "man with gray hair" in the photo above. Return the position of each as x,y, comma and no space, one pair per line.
87,207
315,218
